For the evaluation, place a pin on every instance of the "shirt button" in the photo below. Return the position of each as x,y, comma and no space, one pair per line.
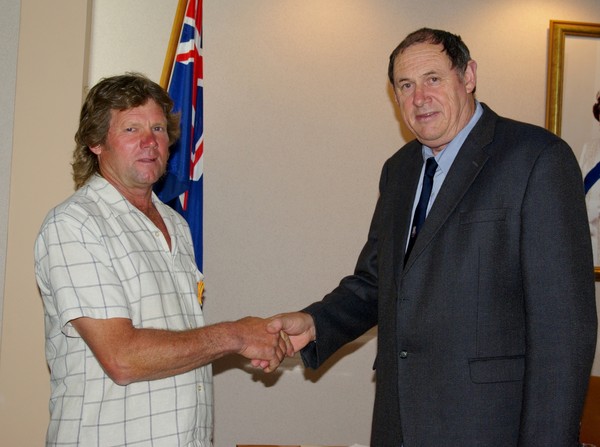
403,354
157,233
200,388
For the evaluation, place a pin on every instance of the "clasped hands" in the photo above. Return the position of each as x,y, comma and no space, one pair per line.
269,341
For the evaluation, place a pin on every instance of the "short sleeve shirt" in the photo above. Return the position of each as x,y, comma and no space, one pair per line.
98,256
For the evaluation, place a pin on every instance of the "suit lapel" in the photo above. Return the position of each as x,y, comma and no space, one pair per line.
466,167
403,196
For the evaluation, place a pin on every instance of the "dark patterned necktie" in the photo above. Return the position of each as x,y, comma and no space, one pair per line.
421,210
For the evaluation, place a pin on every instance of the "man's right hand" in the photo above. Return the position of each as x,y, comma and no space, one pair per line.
296,328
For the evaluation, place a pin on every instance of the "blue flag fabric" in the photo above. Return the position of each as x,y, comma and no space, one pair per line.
182,186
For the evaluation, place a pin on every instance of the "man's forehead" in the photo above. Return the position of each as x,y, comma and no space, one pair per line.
422,57
148,109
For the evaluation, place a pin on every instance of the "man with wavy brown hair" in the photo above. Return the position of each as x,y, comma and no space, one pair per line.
126,343
120,94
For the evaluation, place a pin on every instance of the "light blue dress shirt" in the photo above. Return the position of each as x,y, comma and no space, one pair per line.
444,160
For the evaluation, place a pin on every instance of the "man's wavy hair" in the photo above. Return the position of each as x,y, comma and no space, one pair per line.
452,45
114,93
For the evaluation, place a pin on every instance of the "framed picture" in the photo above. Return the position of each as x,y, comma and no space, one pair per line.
572,105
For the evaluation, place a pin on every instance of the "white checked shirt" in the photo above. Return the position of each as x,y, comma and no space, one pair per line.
98,256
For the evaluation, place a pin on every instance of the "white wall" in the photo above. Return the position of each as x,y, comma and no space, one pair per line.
298,121
9,36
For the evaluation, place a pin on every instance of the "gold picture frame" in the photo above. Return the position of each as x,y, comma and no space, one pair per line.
559,32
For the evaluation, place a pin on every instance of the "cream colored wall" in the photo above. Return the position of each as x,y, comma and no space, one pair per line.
48,96
298,121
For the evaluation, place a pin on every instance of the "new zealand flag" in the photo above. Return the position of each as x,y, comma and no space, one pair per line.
182,186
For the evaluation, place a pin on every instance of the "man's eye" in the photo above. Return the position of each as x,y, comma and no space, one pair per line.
405,86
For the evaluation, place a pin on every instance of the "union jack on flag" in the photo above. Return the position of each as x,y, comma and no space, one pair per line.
182,186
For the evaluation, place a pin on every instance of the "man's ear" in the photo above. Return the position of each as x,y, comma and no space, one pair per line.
96,149
470,76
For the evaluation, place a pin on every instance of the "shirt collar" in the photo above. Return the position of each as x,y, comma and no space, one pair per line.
112,196
445,158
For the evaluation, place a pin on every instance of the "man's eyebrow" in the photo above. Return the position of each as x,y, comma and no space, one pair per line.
423,75
402,79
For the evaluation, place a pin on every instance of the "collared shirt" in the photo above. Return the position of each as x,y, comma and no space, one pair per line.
98,256
445,159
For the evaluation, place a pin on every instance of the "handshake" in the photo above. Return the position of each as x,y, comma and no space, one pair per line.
266,342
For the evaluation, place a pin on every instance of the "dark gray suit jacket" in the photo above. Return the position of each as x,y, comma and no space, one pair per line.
486,336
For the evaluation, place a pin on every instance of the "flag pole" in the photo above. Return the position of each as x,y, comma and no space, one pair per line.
173,41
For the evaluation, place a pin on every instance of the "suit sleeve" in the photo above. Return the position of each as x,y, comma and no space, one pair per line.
560,308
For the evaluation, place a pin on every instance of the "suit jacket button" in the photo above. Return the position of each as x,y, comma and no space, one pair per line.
403,354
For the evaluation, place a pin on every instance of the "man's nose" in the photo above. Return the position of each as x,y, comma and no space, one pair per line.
420,95
149,139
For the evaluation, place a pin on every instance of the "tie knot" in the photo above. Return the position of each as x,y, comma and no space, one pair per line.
430,167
